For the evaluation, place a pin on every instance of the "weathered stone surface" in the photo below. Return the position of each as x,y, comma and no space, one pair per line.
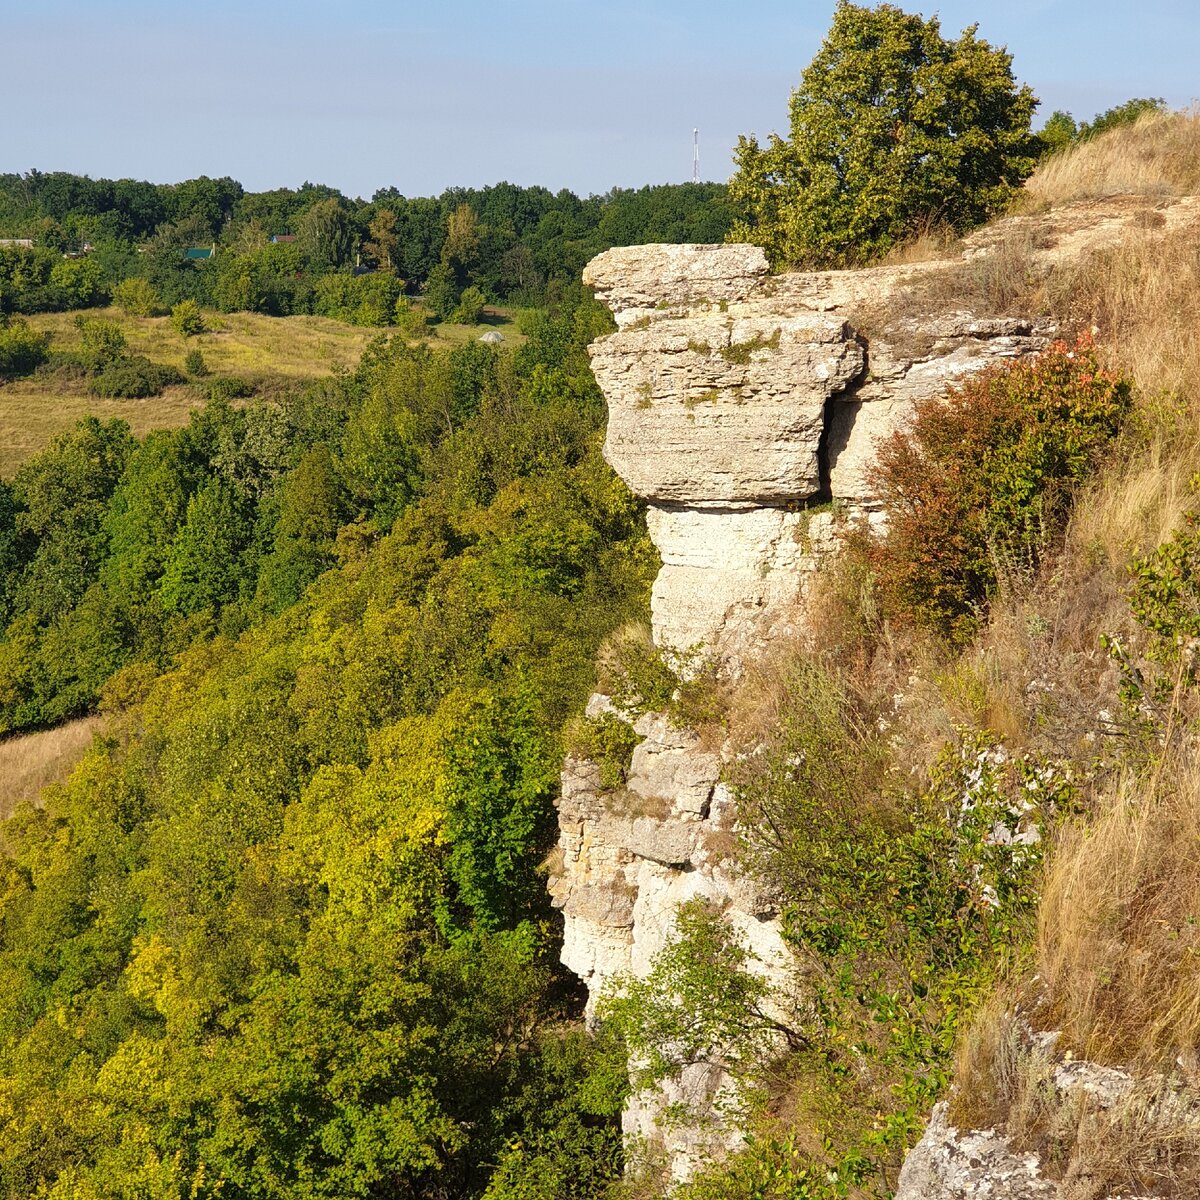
980,1165
737,400
624,873
724,571
739,403
720,411
639,282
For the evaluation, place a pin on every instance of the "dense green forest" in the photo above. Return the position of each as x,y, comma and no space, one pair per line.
283,934
513,244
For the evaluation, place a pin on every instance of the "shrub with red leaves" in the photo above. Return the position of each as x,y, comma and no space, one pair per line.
982,479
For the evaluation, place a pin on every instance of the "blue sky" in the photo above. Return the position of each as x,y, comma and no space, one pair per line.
423,96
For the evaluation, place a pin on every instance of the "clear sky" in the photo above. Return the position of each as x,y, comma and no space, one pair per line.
422,96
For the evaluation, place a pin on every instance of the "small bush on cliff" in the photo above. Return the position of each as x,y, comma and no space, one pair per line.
980,483
893,129
901,906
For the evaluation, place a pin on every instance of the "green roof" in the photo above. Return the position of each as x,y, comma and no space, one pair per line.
198,252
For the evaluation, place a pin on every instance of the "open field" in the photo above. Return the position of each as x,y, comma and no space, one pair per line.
30,762
33,411
236,344
249,345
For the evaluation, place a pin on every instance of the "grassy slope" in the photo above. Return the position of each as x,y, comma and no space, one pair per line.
1116,965
36,760
267,350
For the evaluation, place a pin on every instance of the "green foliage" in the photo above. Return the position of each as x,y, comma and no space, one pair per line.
1121,114
327,236
901,907
22,349
1059,132
282,934
187,318
229,387
194,364
469,310
635,673
77,283
699,1003
133,377
607,741
441,293
520,244
358,299
102,342
1165,599
1165,602
1061,129
202,570
981,482
137,297
893,129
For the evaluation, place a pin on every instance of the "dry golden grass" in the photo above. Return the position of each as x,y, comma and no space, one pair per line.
247,344
34,411
268,351
1158,155
265,350
1146,1141
32,761
1119,925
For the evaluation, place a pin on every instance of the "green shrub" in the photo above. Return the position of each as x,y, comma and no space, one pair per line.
901,907
137,297
195,365
608,741
412,321
470,307
1165,602
1122,114
230,387
359,299
635,673
133,378
187,318
981,481
102,343
699,1002
22,349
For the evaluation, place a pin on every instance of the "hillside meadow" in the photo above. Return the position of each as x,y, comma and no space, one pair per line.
270,353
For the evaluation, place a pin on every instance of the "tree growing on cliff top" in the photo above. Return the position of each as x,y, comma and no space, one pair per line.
893,129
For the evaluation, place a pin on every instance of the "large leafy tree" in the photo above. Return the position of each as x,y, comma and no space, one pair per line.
893,128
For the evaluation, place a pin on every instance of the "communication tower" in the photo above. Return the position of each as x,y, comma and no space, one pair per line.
695,156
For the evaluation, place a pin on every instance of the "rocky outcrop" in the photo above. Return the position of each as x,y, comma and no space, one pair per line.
950,1165
746,408
1115,1119
630,858
743,408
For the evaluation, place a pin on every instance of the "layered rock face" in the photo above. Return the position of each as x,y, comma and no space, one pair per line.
630,858
745,410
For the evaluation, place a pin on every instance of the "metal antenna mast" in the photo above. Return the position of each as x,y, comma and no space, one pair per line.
695,156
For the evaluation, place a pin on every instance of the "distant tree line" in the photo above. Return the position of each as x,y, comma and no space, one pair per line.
349,258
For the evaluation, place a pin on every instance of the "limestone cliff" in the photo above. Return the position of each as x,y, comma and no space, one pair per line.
745,409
